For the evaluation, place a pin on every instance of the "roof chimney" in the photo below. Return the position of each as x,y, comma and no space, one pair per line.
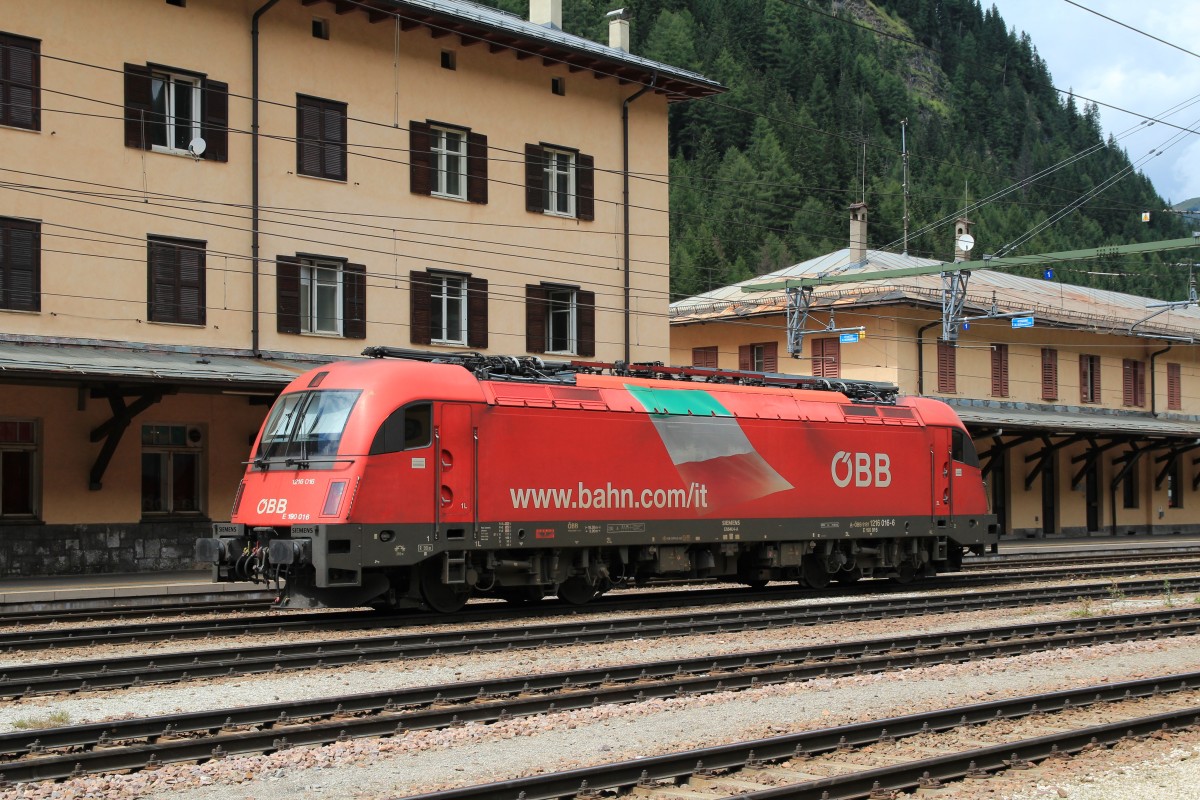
546,12
858,232
618,30
963,240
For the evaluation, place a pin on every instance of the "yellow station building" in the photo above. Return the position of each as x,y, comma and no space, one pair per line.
200,199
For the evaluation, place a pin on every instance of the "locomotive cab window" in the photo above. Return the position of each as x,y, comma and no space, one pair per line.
306,425
407,428
963,449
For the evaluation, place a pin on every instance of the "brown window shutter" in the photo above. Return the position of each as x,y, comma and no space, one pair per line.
535,318
770,357
20,82
214,113
287,294
585,187
947,368
308,136
191,302
477,313
477,168
137,106
585,309
535,163
999,370
354,301
161,305
420,320
333,134
420,166
1139,383
1174,387
1127,378
1049,373
745,357
20,265
704,357
826,358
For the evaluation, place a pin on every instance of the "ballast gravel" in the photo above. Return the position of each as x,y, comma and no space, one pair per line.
420,761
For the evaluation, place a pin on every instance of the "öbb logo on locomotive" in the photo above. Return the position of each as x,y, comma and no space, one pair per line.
422,479
857,467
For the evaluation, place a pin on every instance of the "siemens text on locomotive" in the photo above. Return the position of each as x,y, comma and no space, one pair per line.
425,479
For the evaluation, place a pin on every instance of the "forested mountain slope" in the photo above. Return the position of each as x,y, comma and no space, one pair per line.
761,175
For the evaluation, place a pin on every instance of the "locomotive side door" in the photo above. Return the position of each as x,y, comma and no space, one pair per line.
941,470
455,445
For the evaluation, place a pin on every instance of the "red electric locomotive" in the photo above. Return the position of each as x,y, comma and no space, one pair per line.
423,479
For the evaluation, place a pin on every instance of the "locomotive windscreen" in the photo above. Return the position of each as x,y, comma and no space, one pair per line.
305,425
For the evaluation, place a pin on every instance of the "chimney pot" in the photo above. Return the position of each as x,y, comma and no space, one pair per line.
618,32
858,232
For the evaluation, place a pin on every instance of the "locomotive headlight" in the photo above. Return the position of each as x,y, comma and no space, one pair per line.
333,498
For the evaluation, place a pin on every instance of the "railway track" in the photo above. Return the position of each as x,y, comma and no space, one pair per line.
308,622
57,753
256,602
22,680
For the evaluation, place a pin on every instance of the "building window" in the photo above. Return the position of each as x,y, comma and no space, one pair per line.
176,281
171,469
760,357
559,181
166,109
448,308
20,265
18,469
558,86
449,60
1133,383
947,368
321,138
321,295
1174,388
704,357
320,28
1049,373
826,358
560,319
447,162
20,82
1089,379
999,370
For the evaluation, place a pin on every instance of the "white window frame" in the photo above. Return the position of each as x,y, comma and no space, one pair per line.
447,290
558,164
166,453
312,273
443,156
35,451
170,79
562,304
758,357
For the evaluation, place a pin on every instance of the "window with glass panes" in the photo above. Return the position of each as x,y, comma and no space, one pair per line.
560,326
175,106
447,309
558,184
449,149
320,296
171,469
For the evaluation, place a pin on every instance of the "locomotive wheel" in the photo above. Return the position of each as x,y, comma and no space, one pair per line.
576,591
813,572
440,597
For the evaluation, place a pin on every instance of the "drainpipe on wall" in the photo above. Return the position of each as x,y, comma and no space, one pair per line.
1153,396
625,196
254,221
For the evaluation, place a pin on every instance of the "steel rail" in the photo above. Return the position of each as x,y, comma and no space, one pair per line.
624,776
20,680
255,601
488,701
21,640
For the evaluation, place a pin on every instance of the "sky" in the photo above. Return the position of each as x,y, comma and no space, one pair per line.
1105,62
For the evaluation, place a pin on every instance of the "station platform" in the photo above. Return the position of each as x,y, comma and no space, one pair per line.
159,589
